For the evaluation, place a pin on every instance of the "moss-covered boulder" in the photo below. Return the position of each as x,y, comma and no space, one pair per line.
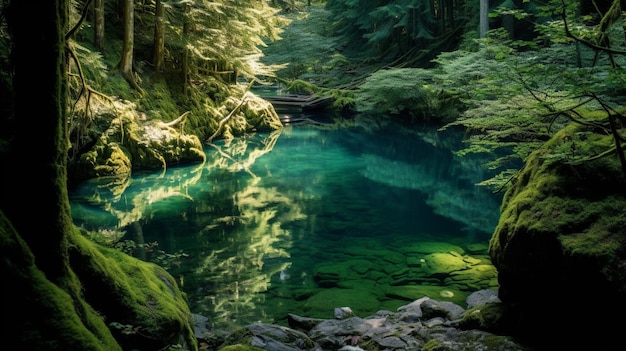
141,303
106,301
125,139
560,245
119,138
249,115
39,314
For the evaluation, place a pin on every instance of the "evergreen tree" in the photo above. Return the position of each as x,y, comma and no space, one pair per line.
126,57
395,29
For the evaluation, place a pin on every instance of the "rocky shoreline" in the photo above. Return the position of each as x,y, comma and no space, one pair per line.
424,324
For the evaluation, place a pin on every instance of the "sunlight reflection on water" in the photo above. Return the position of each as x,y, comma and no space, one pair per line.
305,220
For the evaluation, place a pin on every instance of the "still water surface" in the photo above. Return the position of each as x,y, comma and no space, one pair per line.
305,220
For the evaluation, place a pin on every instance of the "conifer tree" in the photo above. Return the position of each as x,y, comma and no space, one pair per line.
126,59
159,36
98,24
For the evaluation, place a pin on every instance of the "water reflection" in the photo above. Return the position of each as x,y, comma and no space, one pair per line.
270,221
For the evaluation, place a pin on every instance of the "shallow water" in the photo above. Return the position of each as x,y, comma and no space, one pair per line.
305,220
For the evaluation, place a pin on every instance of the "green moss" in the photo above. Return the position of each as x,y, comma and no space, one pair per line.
495,342
239,337
567,204
431,345
369,345
490,317
39,314
549,198
133,293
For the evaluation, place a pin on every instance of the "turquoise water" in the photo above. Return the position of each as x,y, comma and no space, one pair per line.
305,220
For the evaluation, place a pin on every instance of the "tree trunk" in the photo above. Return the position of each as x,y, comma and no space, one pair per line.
159,37
44,305
98,25
449,14
41,307
126,61
37,154
185,58
484,18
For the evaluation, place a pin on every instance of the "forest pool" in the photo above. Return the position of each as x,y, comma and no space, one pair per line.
307,219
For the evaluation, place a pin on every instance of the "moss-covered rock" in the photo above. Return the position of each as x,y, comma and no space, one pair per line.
140,301
414,292
122,139
131,141
38,314
239,347
561,239
491,317
267,337
322,304
253,114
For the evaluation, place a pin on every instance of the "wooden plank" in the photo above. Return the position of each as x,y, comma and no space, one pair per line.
303,101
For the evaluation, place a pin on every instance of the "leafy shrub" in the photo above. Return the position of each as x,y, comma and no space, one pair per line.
410,91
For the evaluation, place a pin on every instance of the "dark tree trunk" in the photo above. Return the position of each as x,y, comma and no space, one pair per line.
98,24
185,58
126,61
159,37
36,161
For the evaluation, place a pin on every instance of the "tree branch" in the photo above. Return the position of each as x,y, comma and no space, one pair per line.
587,43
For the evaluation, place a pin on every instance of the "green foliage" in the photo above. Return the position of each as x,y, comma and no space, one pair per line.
397,91
389,29
299,86
516,100
305,48
343,99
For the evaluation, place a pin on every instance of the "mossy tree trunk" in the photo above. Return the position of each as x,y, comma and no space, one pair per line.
60,288
42,305
185,59
126,61
39,208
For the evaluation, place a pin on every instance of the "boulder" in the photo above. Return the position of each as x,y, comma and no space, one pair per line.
129,142
560,245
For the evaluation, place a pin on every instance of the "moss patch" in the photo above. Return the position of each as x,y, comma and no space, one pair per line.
39,313
142,302
323,304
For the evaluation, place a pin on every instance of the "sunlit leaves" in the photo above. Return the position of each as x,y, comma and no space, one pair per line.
223,35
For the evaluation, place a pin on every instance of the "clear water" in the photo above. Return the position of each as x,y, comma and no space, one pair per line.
305,220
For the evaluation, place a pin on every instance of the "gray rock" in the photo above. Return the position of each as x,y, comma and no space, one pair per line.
410,328
482,297
448,310
343,312
303,324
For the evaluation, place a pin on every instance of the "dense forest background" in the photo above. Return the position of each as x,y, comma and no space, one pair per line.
536,68
512,73
430,61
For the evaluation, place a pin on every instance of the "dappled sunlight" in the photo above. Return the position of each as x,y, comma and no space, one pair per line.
270,221
130,202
